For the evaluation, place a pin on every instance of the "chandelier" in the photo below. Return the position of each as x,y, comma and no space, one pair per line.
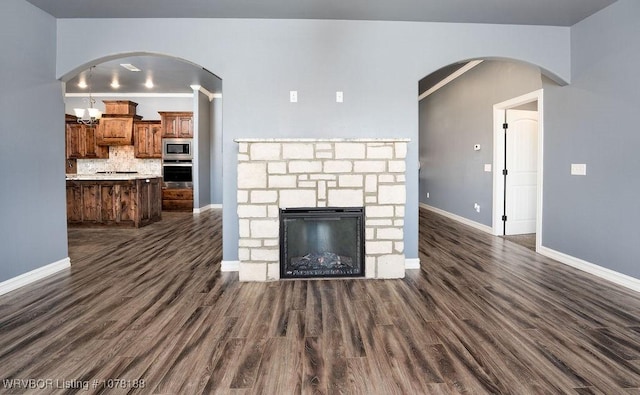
93,115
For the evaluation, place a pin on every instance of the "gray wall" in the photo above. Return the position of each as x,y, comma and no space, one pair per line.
452,120
216,152
594,121
32,198
202,134
376,64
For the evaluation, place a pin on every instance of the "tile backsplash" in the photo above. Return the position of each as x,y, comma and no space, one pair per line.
121,158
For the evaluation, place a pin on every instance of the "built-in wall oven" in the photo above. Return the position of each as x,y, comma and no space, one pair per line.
177,163
177,174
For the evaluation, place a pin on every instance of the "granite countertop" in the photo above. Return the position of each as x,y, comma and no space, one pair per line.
110,176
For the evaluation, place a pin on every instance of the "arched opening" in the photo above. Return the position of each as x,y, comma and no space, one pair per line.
158,86
462,151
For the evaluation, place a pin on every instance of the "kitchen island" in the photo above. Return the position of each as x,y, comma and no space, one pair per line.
113,199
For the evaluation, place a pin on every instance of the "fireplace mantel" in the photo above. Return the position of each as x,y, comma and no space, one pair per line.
275,173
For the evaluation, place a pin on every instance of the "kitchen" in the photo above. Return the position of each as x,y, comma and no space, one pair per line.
137,157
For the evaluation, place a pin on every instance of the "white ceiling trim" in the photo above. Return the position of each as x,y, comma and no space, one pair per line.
129,95
204,91
450,78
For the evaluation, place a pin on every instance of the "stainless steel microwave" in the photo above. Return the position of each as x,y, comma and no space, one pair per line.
177,149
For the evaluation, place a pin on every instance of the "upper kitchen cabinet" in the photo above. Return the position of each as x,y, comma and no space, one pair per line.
147,139
116,125
81,141
177,124
121,107
115,130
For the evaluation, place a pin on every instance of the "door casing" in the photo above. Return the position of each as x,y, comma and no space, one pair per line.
498,159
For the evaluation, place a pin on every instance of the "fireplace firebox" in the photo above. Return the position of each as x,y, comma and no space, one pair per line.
322,242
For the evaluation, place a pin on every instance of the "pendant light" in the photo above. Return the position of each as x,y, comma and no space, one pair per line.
93,115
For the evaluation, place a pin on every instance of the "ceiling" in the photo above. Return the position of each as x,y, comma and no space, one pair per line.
526,12
171,75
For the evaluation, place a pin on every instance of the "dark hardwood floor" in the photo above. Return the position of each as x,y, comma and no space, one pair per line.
526,240
147,310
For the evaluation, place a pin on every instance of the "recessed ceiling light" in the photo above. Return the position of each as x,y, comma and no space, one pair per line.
129,67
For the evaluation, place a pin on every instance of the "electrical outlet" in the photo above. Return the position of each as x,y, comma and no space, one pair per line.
578,169
476,206
293,96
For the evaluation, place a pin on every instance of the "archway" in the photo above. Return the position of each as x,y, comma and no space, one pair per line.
457,155
178,85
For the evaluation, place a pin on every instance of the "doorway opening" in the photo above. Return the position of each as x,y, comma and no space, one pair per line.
518,162
157,87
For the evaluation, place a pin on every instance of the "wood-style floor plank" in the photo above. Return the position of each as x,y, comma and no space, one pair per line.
483,315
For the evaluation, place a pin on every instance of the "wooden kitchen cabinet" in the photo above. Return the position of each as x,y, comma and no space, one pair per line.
74,134
150,200
74,203
177,124
147,139
116,129
81,142
121,107
136,202
177,199
91,147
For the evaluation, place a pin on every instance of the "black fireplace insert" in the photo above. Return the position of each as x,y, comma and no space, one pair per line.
322,242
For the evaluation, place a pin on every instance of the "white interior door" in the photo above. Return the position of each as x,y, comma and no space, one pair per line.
522,165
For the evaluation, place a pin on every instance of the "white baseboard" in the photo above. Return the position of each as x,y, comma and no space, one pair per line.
205,208
410,264
230,266
458,218
34,275
602,272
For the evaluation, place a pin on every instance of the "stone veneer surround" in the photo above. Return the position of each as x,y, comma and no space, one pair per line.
286,173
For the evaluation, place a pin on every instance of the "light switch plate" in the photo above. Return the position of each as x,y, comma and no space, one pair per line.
487,167
293,96
578,169
339,97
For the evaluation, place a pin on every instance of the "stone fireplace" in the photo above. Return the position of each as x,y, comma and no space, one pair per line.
278,174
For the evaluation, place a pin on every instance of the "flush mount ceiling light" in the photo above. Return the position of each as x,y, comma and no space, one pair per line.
93,114
130,67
